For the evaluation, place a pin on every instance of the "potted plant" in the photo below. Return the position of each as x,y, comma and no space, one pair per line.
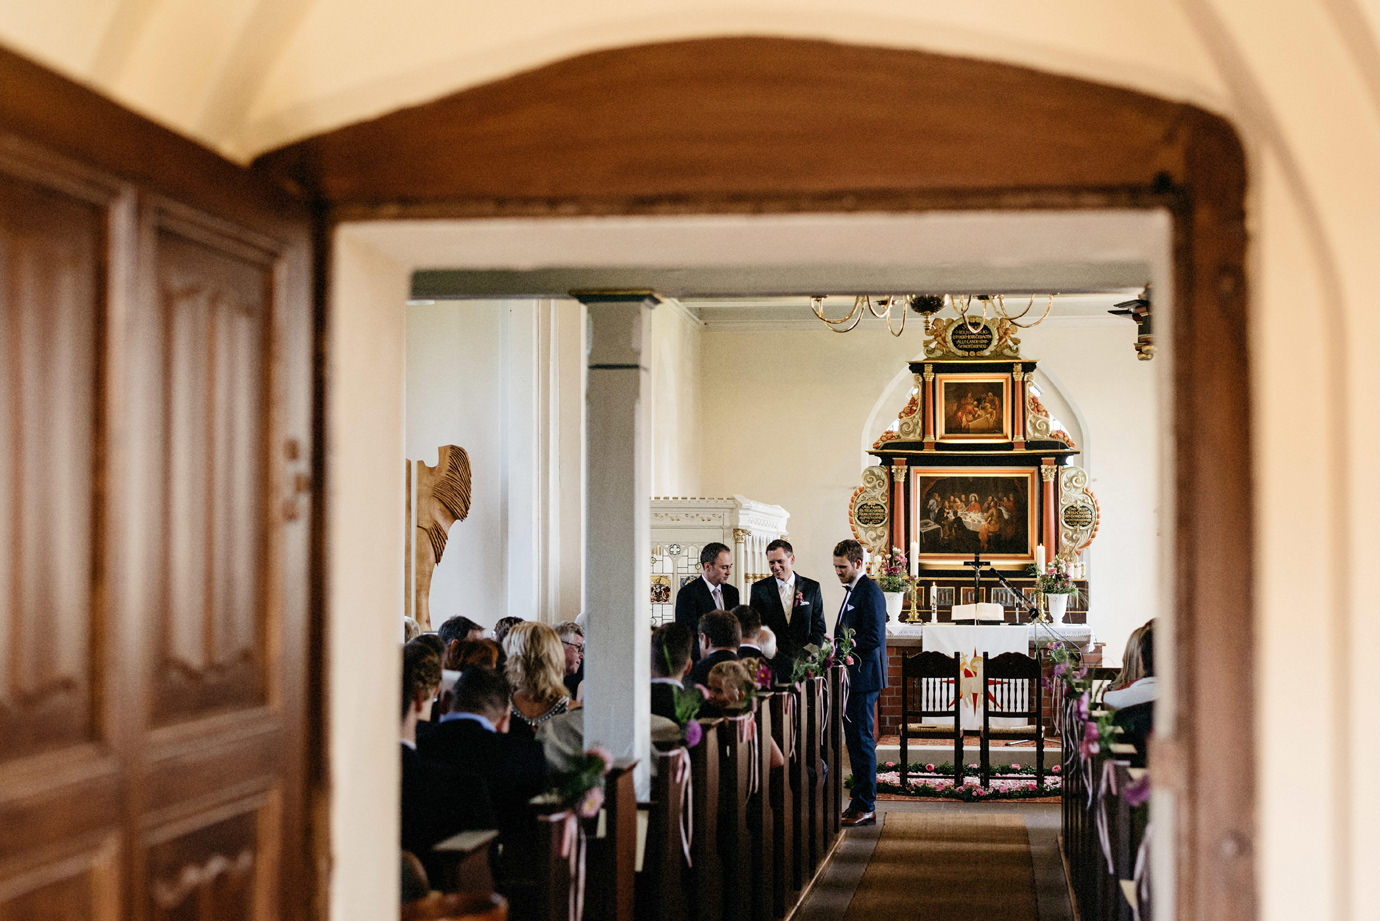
889,570
1057,588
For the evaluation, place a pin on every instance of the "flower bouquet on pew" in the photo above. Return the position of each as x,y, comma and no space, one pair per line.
581,789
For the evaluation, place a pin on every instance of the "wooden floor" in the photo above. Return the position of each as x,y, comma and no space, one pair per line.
828,900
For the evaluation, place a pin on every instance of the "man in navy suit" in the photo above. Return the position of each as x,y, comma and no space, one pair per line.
710,592
864,612
791,606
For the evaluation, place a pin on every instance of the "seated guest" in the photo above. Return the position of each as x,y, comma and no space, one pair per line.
438,799
437,644
541,707
720,637
573,641
767,640
466,653
670,663
1136,682
459,628
411,629
729,684
473,736
750,628
1135,703
501,633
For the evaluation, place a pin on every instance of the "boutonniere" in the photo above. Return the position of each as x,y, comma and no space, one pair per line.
799,599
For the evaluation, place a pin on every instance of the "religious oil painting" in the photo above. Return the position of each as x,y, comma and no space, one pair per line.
974,407
985,510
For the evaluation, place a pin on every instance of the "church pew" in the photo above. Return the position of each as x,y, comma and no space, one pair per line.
833,731
555,888
706,872
786,853
661,883
461,862
735,843
762,818
612,859
456,906
814,753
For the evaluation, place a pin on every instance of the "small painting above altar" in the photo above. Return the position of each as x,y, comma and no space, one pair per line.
965,510
974,407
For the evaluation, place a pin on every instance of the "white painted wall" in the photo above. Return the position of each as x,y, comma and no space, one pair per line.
795,409
676,416
503,379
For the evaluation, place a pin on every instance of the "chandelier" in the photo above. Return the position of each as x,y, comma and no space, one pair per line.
972,309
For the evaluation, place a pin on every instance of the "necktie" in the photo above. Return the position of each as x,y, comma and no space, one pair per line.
718,598
787,602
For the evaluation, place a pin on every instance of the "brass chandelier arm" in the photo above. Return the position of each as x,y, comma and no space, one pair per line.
1014,320
837,325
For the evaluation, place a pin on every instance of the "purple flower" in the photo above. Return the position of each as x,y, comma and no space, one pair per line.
1061,669
693,734
1082,707
1089,745
1138,792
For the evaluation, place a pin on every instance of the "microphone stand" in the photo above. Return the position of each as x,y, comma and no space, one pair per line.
1035,616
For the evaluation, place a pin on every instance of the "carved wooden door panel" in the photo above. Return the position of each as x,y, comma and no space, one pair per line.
155,425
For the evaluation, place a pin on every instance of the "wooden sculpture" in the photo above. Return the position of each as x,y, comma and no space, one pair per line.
438,497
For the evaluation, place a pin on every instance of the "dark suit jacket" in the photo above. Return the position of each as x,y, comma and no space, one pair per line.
439,800
865,613
694,600
513,768
700,673
807,617
664,700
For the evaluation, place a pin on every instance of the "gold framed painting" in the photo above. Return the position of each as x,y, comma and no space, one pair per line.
973,407
993,511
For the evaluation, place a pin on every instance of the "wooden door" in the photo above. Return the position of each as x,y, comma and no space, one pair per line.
156,333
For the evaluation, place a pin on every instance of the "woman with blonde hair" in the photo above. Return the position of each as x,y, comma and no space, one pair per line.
541,707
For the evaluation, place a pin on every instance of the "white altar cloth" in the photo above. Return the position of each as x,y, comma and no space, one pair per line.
970,642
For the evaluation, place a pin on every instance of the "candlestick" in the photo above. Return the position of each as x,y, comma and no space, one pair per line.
1040,557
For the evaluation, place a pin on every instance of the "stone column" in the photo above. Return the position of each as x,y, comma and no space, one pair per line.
740,561
618,529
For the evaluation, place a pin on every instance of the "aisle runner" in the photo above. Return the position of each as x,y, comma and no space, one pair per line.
948,866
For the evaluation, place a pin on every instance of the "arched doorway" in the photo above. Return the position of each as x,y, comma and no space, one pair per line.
743,126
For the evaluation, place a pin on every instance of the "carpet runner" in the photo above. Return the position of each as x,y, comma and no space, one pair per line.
949,866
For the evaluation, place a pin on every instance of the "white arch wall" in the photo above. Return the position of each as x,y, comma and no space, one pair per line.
1298,80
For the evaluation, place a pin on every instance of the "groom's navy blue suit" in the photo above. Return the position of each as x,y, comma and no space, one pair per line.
864,611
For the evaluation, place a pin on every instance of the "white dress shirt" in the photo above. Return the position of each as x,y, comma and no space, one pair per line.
715,592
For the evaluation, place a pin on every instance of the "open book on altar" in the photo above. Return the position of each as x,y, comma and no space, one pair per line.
983,613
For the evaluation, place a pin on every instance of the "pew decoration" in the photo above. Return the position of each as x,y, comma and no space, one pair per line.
688,702
1105,800
815,661
581,789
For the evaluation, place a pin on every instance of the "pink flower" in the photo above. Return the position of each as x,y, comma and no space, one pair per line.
602,753
891,764
1089,745
693,733
1054,769
929,767
1015,766
591,803
850,661
704,691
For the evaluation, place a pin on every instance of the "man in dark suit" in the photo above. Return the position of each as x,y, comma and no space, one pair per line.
710,592
473,737
437,799
670,662
864,612
720,637
791,606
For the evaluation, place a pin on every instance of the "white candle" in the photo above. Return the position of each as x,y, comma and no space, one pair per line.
914,559
1040,557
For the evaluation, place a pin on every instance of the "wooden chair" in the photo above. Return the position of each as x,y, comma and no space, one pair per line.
930,683
1011,690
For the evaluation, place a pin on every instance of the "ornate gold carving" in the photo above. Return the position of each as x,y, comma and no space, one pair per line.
869,509
910,420
1017,372
1002,341
1047,472
1079,513
1038,426
928,373
740,535
898,474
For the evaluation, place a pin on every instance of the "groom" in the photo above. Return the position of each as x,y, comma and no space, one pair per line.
864,612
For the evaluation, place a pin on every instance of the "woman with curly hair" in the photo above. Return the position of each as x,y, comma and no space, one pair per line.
541,707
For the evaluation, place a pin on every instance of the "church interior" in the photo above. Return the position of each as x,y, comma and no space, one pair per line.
260,261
